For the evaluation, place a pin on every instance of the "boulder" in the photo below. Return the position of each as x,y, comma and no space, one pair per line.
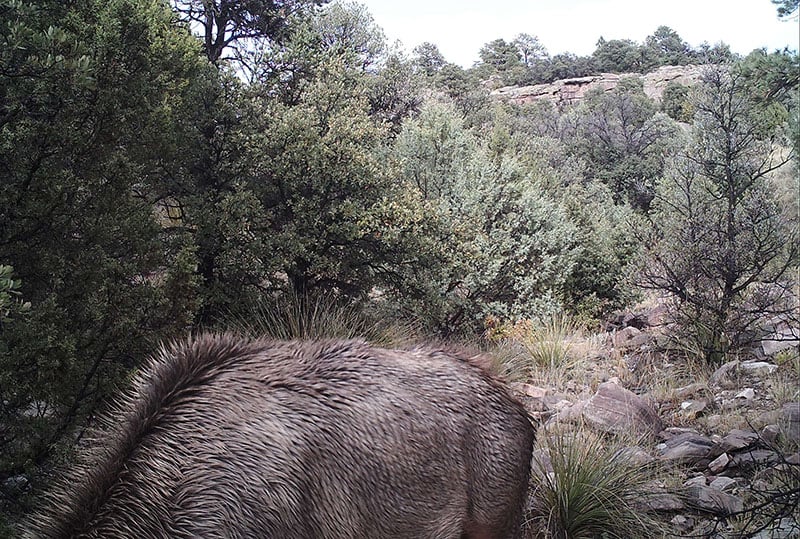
758,368
723,376
723,483
631,338
715,501
718,464
736,440
689,448
615,409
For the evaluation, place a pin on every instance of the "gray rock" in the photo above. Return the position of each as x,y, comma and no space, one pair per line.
780,337
689,447
748,394
718,464
615,409
635,455
713,500
661,501
670,433
689,391
532,397
723,483
736,440
770,433
574,90
682,523
723,376
691,409
753,458
631,338
700,480
758,368
785,528
568,413
770,347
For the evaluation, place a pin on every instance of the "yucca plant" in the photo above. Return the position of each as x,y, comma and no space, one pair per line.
586,487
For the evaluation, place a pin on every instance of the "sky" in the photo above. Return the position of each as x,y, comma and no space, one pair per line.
461,27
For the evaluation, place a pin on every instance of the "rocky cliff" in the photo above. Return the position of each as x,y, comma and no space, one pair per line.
572,91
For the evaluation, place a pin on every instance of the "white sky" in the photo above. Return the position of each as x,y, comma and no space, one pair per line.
461,27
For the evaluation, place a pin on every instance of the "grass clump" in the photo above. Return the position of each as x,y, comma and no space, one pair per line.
325,316
549,344
585,486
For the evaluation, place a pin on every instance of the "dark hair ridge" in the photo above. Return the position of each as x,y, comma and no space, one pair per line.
223,437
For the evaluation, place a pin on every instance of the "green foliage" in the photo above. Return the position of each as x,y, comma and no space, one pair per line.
675,102
585,487
530,48
786,8
86,91
667,48
428,59
526,61
718,240
509,247
773,80
622,56
10,303
500,58
235,23
598,284
321,181
624,141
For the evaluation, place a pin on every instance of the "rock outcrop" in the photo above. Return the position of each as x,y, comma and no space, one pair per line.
573,91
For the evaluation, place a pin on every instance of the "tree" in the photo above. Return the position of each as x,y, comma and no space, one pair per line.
667,48
719,53
324,189
622,56
502,59
786,8
623,139
88,95
718,241
530,48
225,23
428,59
565,66
348,30
506,248
675,102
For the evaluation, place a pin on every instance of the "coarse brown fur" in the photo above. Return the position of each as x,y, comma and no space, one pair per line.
223,437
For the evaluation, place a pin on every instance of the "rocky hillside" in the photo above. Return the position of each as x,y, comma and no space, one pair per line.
572,91
726,438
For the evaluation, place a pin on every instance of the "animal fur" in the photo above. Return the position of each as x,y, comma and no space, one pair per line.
224,437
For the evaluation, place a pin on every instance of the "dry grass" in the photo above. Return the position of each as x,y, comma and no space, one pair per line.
555,354
291,317
784,385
